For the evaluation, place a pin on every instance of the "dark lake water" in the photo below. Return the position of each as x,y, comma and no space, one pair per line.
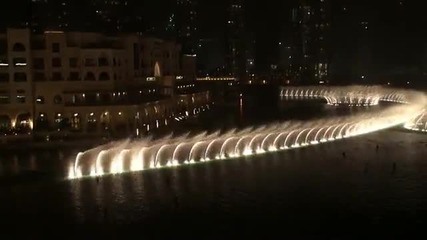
310,193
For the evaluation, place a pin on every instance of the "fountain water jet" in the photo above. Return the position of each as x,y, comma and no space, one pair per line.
176,151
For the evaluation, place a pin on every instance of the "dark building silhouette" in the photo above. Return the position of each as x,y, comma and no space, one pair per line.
118,16
108,16
52,15
185,24
210,57
304,46
236,41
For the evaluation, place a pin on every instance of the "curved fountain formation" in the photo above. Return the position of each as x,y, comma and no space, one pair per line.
129,156
419,123
347,96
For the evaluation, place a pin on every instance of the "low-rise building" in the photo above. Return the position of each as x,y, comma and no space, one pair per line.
89,82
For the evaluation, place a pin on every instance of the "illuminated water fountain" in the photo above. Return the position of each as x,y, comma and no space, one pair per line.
347,96
419,123
171,151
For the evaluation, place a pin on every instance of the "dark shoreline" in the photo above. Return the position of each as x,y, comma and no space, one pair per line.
54,145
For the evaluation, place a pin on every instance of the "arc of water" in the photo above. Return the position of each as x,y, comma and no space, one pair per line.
287,138
277,139
236,150
352,130
193,148
156,159
98,166
117,164
176,151
137,162
333,136
222,155
76,162
340,133
326,132
209,147
253,140
417,122
265,140
308,135
318,133
344,127
299,135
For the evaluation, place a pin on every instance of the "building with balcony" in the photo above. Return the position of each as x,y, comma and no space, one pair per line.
90,83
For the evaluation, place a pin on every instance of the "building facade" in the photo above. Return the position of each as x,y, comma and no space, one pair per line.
89,82
185,18
304,47
236,50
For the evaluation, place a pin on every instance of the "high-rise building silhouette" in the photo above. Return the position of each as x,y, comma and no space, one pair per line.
118,16
185,18
85,15
52,15
305,44
236,41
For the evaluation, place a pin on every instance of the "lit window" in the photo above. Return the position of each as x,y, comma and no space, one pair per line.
20,97
40,100
20,62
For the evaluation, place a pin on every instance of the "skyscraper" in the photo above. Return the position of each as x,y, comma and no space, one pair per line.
185,23
51,15
236,41
305,50
118,16
322,40
85,15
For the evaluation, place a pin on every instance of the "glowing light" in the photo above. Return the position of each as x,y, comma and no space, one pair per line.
177,151
354,96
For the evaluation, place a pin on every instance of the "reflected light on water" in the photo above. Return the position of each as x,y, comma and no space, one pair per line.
170,151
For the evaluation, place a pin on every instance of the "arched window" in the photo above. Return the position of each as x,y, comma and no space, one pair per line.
104,76
76,122
57,99
90,76
40,100
92,125
23,123
105,121
5,123
42,122
18,47
60,122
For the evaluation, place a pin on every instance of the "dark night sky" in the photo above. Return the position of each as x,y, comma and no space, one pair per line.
397,32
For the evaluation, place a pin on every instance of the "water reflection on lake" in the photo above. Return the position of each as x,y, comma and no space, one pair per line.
314,187
248,112
16,163
306,190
